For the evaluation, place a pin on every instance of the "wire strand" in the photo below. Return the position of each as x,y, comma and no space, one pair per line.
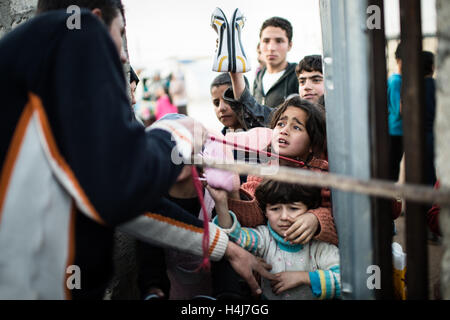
269,154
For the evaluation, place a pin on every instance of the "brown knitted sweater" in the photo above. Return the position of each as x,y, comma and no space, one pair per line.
250,214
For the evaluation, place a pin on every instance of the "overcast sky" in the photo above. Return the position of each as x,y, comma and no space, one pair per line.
157,30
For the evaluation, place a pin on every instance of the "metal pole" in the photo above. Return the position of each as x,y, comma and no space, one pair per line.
346,70
373,187
413,105
382,218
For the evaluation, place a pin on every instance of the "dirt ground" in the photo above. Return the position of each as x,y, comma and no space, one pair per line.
435,252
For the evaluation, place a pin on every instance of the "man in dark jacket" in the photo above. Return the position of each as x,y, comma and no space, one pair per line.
66,143
277,80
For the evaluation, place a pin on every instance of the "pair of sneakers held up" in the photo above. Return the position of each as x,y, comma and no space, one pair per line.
230,55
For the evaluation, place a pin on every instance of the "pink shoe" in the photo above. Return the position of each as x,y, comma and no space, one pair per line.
217,178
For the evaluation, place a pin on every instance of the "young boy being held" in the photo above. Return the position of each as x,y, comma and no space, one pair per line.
302,272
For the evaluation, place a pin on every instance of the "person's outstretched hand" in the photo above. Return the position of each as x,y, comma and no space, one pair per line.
244,263
198,131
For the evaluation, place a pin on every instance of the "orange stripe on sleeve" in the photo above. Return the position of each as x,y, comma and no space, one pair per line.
36,104
213,245
180,135
174,222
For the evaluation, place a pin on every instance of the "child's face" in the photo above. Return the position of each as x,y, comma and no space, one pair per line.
223,110
290,138
282,215
310,85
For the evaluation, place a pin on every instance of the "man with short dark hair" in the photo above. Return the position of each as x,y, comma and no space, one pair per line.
66,143
277,80
110,12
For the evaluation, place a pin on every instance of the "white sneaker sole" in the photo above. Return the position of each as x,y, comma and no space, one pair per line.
221,60
239,62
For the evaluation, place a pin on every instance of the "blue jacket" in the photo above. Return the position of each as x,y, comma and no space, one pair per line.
395,120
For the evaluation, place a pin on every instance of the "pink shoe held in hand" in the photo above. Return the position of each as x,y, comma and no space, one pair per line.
217,178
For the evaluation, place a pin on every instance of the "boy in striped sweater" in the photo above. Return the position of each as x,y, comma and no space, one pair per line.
302,272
